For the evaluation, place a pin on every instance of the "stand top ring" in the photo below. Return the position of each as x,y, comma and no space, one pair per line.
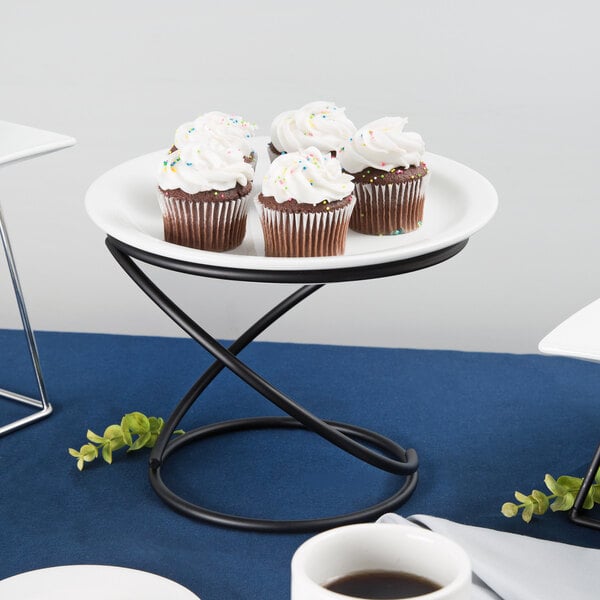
290,276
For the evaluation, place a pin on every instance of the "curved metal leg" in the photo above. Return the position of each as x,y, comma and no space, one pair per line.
271,525
43,404
401,462
235,348
575,513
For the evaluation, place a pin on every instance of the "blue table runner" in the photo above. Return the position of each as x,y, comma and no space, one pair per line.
484,425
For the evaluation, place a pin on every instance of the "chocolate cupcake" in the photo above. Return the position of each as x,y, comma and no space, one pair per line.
305,205
389,175
203,191
321,125
231,130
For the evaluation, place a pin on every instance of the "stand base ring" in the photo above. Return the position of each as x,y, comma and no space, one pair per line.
273,525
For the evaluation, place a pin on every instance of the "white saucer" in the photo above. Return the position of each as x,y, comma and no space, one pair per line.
123,203
91,582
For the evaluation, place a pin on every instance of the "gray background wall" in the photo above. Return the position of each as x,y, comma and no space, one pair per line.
510,89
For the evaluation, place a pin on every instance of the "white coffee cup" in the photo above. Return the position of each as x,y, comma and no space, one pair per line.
365,547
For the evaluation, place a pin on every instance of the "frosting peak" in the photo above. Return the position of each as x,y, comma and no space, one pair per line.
320,124
230,129
309,177
208,164
382,144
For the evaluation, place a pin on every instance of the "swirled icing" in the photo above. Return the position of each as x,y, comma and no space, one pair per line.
309,177
231,130
208,164
320,124
382,144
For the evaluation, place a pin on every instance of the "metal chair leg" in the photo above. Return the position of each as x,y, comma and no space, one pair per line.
43,405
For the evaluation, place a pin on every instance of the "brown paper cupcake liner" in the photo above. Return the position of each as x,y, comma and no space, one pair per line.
305,234
252,159
389,209
272,155
204,225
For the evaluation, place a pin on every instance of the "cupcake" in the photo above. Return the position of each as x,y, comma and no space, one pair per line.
321,125
390,177
305,205
231,130
203,193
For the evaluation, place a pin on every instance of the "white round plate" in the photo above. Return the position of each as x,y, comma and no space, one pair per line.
123,203
91,582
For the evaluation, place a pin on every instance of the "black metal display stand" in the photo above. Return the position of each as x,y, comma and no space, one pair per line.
350,438
575,513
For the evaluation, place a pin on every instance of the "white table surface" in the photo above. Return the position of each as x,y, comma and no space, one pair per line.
578,336
20,142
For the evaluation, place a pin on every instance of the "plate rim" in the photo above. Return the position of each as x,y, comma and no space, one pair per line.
129,235
83,567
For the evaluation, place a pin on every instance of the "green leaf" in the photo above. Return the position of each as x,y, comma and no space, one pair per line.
137,423
541,502
125,431
113,431
563,502
88,452
564,491
107,453
156,424
140,442
94,438
571,484
510,509
148,440
553,486
589,500
117,444
135,430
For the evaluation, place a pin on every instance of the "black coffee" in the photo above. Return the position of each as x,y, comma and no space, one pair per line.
382,585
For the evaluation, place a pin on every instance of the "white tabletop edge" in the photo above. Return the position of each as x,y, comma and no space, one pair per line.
578,336
21,142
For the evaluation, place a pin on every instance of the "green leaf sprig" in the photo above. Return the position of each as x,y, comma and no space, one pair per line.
563,492
136,431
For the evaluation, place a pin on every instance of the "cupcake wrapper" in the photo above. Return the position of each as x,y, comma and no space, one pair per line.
389,209
272,155
253,159
215,226
305,234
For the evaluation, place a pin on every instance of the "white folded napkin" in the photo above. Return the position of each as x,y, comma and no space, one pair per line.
508,566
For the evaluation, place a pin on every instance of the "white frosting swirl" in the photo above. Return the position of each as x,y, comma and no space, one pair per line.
231,130
319,124
309,177
203,166
382,144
